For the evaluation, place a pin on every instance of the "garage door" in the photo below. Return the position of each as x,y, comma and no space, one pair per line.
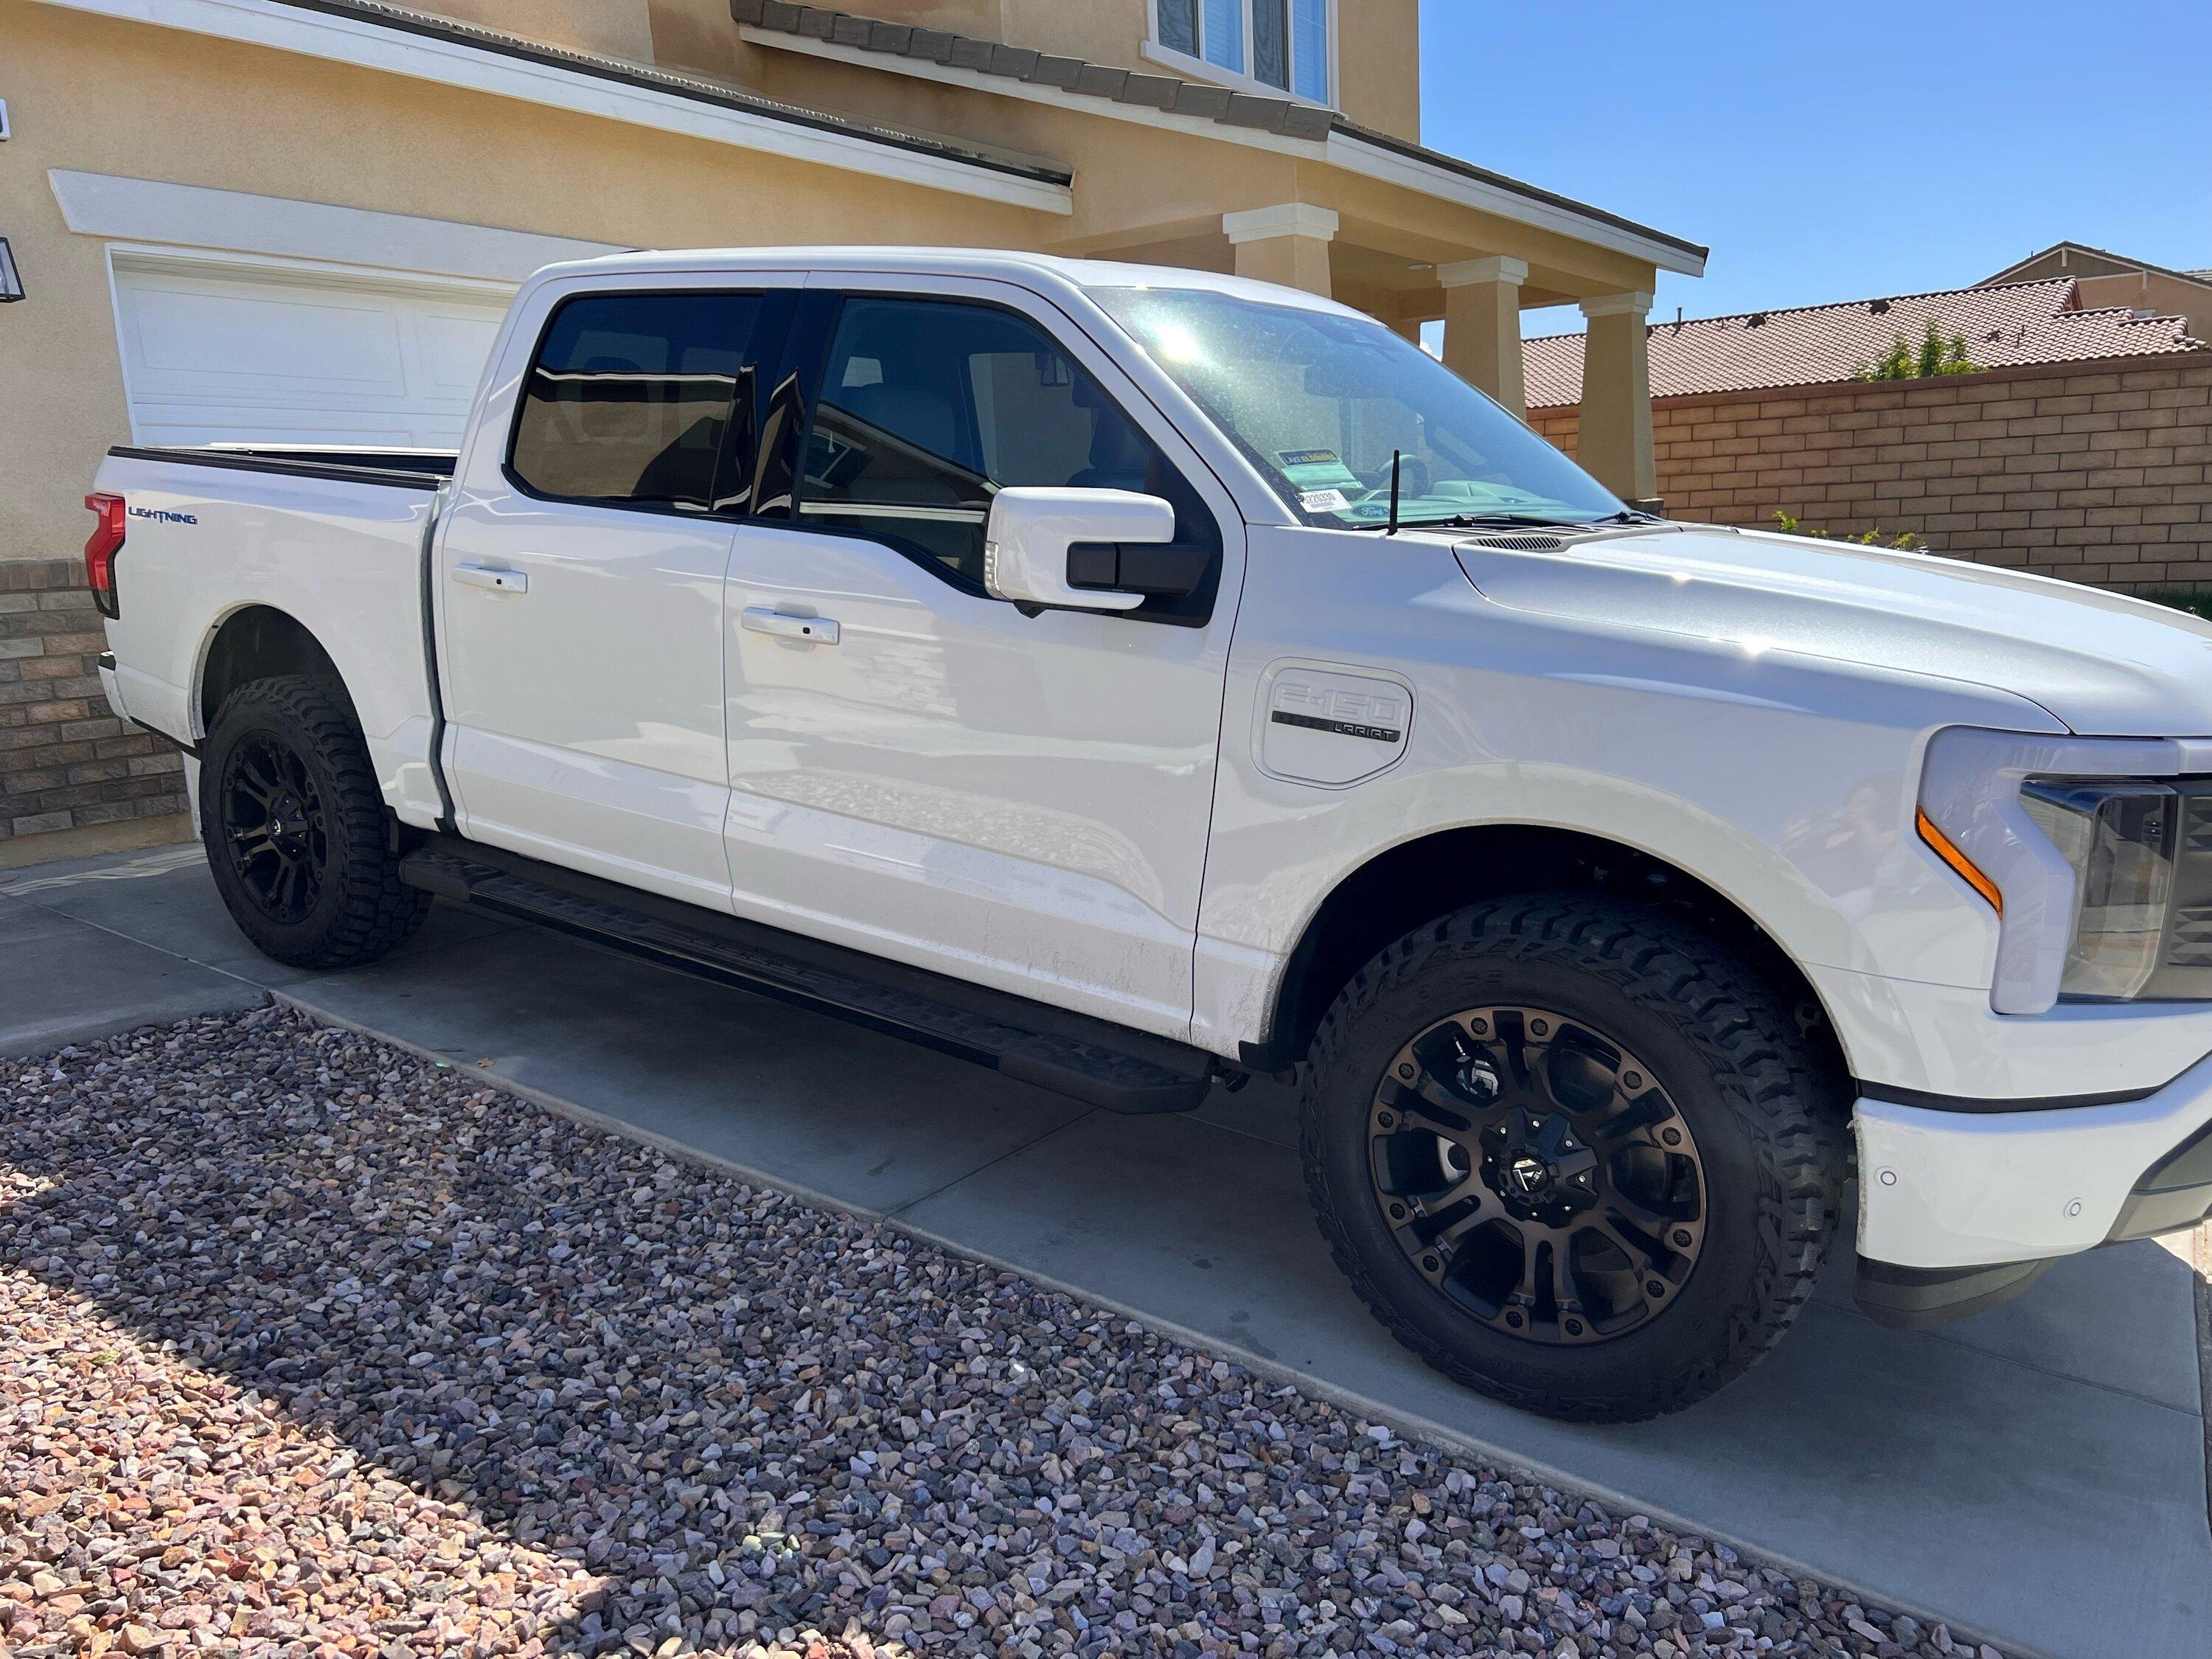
217,354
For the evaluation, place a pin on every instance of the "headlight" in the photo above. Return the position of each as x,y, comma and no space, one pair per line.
2095,851
2118,838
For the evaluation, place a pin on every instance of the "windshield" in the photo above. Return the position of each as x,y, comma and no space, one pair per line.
1320,401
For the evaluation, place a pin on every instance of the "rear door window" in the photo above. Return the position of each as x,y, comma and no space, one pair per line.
633,398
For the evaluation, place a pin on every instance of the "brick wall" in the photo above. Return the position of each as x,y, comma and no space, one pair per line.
66,762
2098,472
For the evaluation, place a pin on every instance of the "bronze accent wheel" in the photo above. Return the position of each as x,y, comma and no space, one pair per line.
1538,1174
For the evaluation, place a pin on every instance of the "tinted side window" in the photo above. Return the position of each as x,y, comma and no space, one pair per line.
631,397
928,408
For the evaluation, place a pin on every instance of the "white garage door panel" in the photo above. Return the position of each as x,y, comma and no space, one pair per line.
222,355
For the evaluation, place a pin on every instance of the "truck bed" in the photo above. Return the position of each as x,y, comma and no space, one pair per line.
330,538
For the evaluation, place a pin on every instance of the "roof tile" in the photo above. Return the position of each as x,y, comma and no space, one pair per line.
2023,323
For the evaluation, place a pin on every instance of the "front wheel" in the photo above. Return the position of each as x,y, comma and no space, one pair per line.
294,829
1572,1154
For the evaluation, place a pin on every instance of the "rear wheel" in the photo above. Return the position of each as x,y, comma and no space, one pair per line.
1574,1155
296,831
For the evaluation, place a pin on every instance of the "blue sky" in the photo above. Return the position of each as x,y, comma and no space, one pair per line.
1839,149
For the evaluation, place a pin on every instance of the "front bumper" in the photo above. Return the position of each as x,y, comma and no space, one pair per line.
1966,1188
1962,1209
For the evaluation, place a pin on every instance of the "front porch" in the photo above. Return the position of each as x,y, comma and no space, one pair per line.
1416,260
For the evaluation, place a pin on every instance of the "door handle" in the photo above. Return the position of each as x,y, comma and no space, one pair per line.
487,576
810,631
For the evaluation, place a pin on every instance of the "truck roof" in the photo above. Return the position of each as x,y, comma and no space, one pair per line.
1027,270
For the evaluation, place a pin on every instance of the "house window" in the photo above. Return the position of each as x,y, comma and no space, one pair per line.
1279,44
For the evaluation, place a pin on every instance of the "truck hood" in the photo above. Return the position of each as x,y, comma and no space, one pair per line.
2103,664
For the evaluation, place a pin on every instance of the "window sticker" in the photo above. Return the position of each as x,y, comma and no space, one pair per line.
1325,500
1316,469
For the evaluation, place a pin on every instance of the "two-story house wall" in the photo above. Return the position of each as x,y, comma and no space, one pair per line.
299,221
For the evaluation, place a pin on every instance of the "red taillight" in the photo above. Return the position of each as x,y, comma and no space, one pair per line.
100,551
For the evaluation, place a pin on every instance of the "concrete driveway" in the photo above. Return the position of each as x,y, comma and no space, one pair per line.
2037,1475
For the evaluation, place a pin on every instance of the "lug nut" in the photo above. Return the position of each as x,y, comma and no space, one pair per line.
1682,1237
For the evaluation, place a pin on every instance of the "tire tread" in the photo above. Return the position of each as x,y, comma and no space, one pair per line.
1736,1017
376,913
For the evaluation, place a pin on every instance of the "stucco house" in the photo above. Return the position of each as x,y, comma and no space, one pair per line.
300,220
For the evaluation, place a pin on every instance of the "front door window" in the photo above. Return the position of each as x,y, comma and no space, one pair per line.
930,408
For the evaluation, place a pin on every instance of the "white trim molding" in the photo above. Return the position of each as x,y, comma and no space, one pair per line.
1500,268
1289,219
453,62
146,211
1371,161
1618,305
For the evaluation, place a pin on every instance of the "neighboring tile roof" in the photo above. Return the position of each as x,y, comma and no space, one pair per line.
693,86
1161,92
1816,345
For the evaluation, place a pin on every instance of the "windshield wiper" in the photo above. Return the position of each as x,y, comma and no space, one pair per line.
1496,520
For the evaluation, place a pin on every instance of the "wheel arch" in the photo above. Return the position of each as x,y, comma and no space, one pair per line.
255,642
1431,875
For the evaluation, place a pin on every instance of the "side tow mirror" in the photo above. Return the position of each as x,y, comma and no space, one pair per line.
1034,536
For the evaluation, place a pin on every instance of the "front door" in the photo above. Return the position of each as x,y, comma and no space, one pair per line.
928,773
581,585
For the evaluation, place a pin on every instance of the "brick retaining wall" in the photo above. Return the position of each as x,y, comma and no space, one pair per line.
66,762
2098,472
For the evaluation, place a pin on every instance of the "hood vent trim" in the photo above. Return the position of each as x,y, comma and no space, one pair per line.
1518,544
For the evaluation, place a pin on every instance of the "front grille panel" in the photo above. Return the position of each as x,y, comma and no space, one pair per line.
2184,970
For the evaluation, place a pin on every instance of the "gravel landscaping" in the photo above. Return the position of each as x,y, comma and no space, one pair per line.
310,1347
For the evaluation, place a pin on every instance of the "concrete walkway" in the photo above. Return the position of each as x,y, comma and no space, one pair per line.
2036,1475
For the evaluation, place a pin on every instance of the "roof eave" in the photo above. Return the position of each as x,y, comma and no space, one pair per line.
391,39
1355,148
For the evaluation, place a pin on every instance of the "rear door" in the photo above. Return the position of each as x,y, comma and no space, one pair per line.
580,575
1019,797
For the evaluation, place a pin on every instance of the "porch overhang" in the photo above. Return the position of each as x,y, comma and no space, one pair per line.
1285,127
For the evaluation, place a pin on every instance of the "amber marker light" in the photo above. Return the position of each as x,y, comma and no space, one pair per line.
1945,850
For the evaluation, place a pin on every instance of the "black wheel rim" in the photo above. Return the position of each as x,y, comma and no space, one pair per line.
273,827
1538,1175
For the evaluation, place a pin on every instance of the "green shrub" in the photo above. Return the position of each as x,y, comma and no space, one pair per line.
1903,541
2197,604
1938,353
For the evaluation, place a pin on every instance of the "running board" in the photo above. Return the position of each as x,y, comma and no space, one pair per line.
1091,1061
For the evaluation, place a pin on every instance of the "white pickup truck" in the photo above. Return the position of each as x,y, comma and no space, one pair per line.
1137,679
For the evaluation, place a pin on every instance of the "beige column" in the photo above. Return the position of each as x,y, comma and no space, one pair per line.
1482,326
1287,245
1615,442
